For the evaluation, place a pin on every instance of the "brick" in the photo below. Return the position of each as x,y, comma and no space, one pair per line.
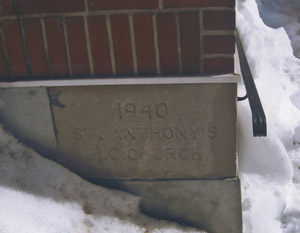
190,43
53,6
14,47
143,30
122,44
77,46
3,63
218,65
122,4
219,20
219,44
167,43
35,46
6,7
56,47
198,3
99,45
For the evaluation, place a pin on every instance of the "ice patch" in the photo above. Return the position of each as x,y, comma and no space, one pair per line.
295,98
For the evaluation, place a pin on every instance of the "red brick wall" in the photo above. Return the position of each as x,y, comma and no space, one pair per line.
94,38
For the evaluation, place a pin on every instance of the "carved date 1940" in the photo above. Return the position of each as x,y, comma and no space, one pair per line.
150,111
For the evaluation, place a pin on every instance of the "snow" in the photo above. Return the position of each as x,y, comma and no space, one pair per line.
283,13
37,195
40,196
269,167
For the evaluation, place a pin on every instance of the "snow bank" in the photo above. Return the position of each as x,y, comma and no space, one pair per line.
283,13
40,196
269,167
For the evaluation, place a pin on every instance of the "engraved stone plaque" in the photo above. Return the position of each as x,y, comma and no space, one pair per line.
165,131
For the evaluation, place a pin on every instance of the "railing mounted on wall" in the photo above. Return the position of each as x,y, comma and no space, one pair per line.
258,116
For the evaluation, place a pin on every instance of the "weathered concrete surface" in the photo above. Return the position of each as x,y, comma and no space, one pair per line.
26,113
147,131
212,205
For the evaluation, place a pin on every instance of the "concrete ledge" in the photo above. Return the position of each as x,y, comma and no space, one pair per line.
226,78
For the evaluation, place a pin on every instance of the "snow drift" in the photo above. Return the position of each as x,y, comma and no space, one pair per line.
269,167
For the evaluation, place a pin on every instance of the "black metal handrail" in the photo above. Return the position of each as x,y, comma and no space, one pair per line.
258,116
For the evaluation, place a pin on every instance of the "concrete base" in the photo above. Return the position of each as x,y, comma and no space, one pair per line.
26,113
205,200
211,205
